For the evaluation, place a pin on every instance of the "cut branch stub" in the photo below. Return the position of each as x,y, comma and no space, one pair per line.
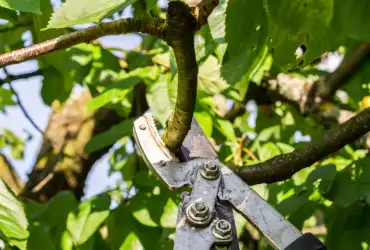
180,36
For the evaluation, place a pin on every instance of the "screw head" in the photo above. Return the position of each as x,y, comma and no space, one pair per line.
222,230
198,214
199,209
210,170
142,127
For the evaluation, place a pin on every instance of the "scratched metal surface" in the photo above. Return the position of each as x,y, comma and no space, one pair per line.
279,231
196,144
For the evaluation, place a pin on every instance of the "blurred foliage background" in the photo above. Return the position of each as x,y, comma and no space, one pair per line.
257,60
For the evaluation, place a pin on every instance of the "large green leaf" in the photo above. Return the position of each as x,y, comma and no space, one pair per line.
22,5
110,136
114,93
40,234
85,220
161,97
58,82
246,36
301,15
73,12
350,18
13,221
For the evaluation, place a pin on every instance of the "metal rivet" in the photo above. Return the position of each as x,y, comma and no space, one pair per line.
162,163
221,230
142,127
210,170
198,214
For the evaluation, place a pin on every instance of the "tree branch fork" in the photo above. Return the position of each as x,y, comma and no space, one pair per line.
178,31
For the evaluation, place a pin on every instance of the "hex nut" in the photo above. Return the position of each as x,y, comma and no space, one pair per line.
197,214
210,170
222,230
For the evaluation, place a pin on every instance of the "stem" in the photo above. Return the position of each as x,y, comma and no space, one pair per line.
154,27
283,166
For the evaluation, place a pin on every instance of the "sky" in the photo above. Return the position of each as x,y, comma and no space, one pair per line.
29,93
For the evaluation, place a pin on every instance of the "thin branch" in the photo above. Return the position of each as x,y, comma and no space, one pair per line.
154,27
283,166
20,104
11,77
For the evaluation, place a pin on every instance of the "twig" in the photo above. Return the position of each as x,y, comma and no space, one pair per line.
21,106
154,27
283,166
19,102
12,26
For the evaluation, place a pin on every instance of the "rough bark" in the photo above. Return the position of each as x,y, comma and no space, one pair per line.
62,163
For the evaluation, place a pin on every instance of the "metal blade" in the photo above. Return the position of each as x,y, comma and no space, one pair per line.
279,231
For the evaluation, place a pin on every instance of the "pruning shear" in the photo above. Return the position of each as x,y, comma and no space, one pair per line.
205,216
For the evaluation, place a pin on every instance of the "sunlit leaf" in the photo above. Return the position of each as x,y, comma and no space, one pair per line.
85,220
13,221
72,12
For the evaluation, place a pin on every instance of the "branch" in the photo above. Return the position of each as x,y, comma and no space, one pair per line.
180,36
283,166
324,88
183,21
154,27
21,106
305,94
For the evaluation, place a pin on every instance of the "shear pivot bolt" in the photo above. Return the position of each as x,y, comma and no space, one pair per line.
198,213
210,170
142,127
221,230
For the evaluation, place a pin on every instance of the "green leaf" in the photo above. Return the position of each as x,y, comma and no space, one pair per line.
350,17
57,209
13,221
169,216
85,220
301,15
226,129
53,87
246,36
73,12
58,82
32,6
267,151
209,77
16,144
161,97
109,137
113,93
40,234
127,166
5,98
205,122
217,23
322,177
7,14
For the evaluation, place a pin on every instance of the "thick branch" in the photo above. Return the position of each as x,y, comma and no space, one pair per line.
283,166
180,36
154,27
